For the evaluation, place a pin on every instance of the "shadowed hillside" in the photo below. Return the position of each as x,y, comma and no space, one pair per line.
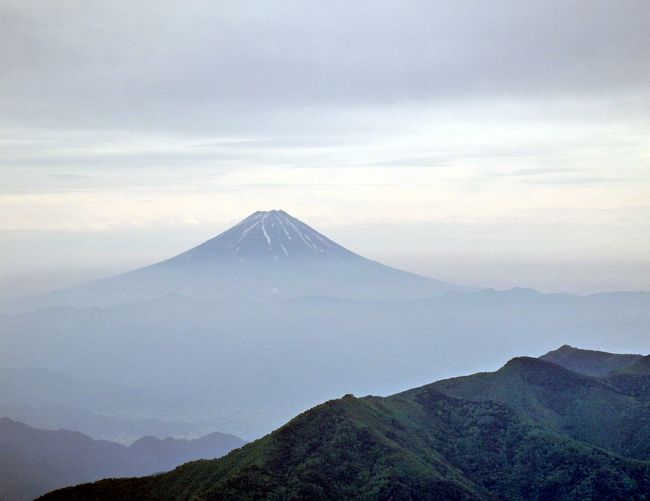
517,433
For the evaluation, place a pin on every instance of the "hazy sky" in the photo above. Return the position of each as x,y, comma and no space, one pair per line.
492,143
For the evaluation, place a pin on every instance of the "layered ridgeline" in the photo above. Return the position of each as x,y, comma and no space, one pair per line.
33,461
264,321
268,255
531,430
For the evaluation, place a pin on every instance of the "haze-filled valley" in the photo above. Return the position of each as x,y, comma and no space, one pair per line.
244,331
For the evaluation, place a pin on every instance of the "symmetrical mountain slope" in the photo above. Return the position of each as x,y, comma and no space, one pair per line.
265,236
34,461
268,255
499,435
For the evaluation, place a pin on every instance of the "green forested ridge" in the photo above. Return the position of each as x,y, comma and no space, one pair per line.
589,362
531,430
589,409
641,366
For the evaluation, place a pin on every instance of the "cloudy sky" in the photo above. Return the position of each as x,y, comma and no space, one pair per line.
496,143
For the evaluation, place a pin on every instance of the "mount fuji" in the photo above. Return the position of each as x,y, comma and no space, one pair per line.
265,320
268,255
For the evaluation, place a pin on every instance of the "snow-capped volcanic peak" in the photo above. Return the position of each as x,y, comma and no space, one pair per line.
281,232
270,234
267,255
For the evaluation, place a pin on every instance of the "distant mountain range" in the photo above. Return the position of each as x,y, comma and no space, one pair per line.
532,430
33,461
266,320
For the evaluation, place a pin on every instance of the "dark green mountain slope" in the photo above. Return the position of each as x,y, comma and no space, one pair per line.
640,366
589,362
588,409
633,380
512,434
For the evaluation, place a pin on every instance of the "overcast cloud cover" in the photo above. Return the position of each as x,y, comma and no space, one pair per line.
492,143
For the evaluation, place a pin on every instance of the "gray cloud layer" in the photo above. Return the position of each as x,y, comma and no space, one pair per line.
222,64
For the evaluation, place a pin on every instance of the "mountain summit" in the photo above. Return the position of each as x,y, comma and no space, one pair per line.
270,234
268,255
